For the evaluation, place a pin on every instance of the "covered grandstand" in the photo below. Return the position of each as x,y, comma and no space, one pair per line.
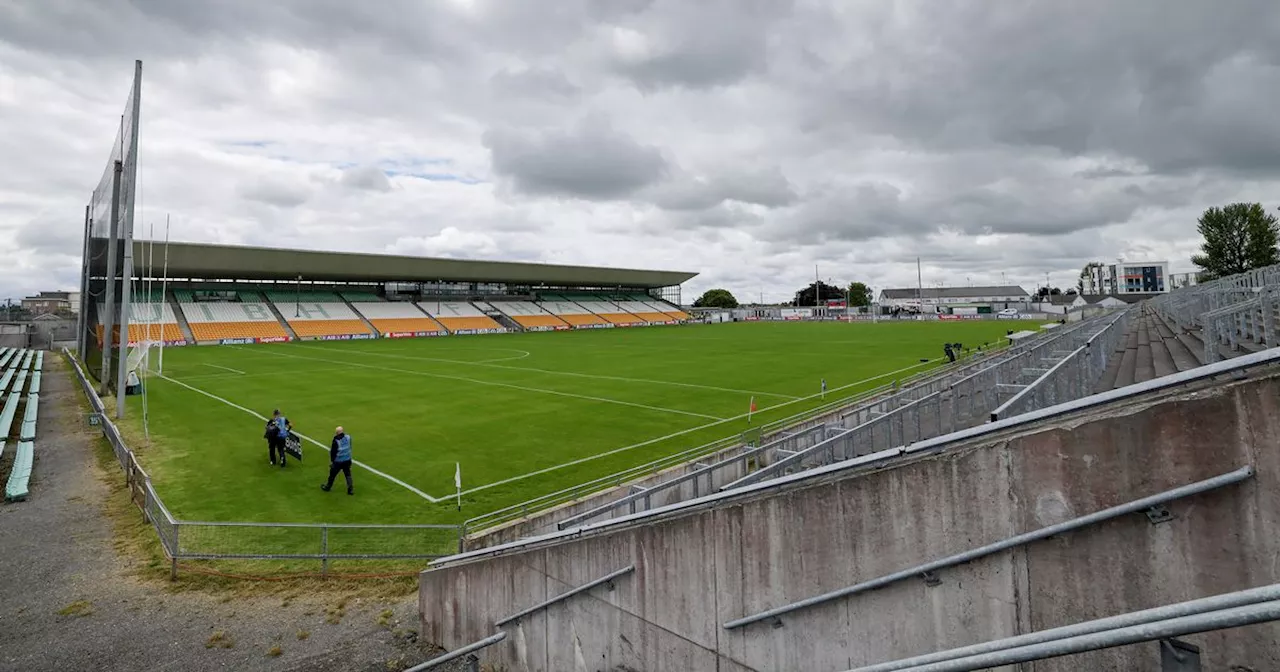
223,294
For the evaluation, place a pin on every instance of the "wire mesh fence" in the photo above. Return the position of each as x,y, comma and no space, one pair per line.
207,540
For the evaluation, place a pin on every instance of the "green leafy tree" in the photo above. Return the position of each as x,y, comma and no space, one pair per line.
1237,238
809,295
716,298
859,295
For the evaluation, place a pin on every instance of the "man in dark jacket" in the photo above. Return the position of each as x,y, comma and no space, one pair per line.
278,428
339,459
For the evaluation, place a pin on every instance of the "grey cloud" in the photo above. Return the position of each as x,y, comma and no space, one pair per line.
697,44
746,139
591,161
368,178
275,192
47,234
769,188
1179,87
533,83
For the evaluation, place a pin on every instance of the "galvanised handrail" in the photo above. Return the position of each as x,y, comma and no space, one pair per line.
607,578
1012,542
454,655
1260,612
1156,614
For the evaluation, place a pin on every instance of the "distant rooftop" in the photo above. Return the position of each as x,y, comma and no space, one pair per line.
953,292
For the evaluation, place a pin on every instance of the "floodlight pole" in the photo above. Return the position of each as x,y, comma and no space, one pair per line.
297,297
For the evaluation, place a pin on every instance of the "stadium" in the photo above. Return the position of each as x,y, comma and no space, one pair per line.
454,376
578,473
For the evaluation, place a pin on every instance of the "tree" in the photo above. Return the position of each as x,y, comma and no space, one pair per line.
808,295
1055,291
1045,292
1237,238
716,298
859,295
1071,291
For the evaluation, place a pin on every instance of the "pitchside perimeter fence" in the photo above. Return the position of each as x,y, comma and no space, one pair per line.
320,542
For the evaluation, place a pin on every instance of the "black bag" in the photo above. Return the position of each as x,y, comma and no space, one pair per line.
293,445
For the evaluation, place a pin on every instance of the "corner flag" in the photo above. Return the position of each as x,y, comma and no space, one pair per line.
824,388
457,482
751,409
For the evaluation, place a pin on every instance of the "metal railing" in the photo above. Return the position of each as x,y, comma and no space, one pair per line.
1012,542
1232,314
607,579
1245,607
473,663
206,540
1073,376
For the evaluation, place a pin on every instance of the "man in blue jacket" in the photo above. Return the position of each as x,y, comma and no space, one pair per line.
339,459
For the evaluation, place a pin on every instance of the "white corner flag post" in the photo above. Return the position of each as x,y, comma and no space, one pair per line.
751,409
824,388
457,482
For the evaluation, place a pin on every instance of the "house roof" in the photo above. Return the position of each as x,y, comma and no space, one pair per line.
233,262
953,292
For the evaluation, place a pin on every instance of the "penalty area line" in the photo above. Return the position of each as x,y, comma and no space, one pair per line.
393,479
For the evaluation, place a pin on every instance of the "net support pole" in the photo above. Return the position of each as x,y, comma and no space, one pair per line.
126,274
82,314
108,312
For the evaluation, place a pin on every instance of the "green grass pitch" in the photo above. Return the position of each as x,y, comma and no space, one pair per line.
503,406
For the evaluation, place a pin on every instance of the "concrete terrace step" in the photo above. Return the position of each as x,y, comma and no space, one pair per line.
1162,360
1143,366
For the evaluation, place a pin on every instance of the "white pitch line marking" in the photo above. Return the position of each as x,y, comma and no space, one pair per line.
226,368
685,431
263,418
476,381
487,364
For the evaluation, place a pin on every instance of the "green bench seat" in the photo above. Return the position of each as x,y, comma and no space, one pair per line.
5,355
5,380
16,489
29,418
19,382
35,383
27,359
40,361
7,415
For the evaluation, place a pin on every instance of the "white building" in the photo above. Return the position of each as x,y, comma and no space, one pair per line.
1127,277
930,299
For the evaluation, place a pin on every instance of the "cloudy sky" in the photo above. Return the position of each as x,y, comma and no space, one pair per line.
745,139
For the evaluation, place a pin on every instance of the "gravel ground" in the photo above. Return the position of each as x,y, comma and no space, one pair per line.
75,593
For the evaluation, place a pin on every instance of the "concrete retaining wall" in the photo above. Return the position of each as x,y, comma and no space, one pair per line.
698,569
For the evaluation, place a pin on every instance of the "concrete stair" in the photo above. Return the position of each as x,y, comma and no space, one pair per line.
182,319
1154,348
283,322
